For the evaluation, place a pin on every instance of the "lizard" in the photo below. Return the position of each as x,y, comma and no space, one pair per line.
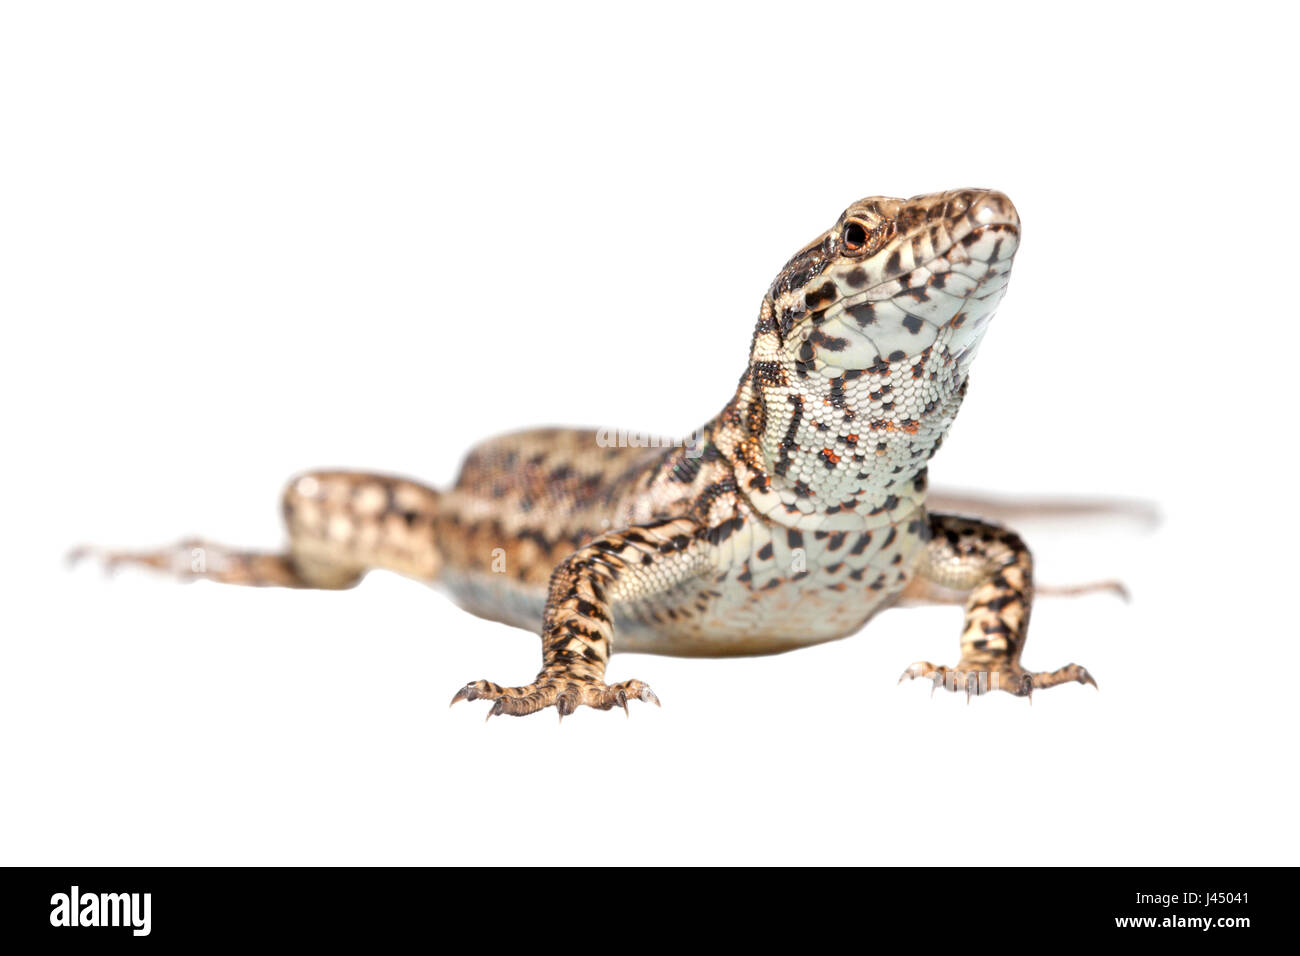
790,518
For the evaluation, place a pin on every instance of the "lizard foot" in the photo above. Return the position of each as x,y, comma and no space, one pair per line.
565,694
980,677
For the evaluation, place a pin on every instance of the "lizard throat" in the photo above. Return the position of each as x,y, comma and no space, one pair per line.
849,402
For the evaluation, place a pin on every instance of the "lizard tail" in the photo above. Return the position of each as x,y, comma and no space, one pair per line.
1009,510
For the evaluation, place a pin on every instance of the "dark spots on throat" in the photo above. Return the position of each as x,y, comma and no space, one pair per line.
787,441
864,314
823,295
838,399
829,342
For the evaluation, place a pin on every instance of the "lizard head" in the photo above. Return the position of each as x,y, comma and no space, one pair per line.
869,331
895,277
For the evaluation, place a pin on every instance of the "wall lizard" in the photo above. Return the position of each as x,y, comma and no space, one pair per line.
790,518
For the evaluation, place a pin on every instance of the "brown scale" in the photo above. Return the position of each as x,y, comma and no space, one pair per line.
692,549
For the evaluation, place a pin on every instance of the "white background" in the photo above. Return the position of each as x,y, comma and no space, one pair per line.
241,240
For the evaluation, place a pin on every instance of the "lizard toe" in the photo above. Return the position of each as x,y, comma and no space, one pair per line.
565,695
977,678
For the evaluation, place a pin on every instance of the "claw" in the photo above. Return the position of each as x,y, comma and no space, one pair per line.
918,669
462,694
650,697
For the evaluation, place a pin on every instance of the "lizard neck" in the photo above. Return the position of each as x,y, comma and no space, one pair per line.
830,440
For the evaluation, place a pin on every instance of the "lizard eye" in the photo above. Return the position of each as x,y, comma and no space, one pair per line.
855,238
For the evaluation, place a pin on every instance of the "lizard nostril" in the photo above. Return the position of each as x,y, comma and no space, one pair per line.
994,208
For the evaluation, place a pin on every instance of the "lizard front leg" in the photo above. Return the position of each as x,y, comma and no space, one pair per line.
995,566
578,624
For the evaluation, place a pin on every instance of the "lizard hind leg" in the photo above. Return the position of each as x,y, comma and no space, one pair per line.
996,568
341,524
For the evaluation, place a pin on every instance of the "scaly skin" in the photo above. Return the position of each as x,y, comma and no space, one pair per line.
790,518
